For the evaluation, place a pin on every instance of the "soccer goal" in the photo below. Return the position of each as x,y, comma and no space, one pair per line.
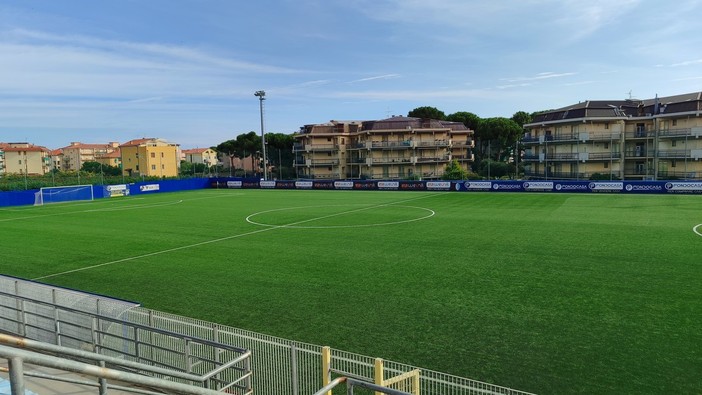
63,194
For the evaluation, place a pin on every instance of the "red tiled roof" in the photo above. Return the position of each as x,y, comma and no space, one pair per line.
113,154
89,146
137,142
195,150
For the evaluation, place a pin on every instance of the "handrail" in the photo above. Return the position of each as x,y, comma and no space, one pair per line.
358,383
18,356
39,346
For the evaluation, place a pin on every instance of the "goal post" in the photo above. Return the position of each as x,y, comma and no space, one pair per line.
71,193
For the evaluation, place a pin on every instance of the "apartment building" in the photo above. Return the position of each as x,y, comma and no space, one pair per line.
206,156
652,139
151,157
394,148
113,158
77,153
24,158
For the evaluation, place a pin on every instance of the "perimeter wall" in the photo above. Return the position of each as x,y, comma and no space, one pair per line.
19,198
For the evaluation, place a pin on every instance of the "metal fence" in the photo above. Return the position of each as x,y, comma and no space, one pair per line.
279,366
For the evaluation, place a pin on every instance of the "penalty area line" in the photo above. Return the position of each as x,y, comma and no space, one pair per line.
696,229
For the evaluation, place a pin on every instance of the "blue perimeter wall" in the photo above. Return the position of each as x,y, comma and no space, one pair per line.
19,198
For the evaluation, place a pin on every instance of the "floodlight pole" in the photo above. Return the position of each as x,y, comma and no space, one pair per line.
261,97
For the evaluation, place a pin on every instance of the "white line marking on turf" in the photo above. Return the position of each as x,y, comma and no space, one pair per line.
95,210
249,220
695,229
209,242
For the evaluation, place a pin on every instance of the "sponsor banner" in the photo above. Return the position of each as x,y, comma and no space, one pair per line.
343,184
438,185
412,185
506,186
117,190
285,185
149,188
303,184
476,185
267,184
647,187
323,185
234,184
572,187
683,187
606,186
250,184
388,185
364,185
538,186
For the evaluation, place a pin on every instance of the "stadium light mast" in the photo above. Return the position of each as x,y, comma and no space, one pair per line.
261,97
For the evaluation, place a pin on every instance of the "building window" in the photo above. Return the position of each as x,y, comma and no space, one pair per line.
675,122
163,166
674,143
606,165
153,154
20,161
673,163
606,125
161,154
606,145
153,167
328,153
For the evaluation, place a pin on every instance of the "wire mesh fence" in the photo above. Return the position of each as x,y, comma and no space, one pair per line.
279,366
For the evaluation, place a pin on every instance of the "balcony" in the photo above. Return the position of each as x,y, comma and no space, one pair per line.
603,136
529,140
640,134
388,161
391,145
463,144
463,158
323,162
433,144
675,154
564,157
595,156
678,133
639,153
316,147
429,159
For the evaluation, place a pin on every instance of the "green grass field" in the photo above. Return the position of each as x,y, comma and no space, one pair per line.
550,293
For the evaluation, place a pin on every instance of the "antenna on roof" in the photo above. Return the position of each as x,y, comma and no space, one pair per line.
630,97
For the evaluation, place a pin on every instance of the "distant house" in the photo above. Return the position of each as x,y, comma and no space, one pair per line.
206,156
74,155
24,158
152,157
113,158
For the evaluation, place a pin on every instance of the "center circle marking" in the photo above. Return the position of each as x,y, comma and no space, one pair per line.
298,224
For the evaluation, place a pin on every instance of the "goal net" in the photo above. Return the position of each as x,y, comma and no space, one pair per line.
63,194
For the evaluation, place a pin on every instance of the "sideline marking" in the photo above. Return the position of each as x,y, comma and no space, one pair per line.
215,240
694,229
249,220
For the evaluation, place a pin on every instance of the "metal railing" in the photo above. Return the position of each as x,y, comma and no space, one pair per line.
351,383
18,357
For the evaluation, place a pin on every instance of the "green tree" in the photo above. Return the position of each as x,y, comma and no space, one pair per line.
522,117
280,154
99,168
495,136
427,112
469,119
454,171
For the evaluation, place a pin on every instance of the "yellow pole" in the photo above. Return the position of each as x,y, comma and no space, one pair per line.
378,373
415,383
326,367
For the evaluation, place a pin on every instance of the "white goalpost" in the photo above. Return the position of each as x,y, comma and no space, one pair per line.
63,194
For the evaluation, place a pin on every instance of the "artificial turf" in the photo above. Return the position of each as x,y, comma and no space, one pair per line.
548,293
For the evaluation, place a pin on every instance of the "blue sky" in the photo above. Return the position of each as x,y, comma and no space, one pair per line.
186,71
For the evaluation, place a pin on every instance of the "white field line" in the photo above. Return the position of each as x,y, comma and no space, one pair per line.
696,229
251,221
220,239
94,210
